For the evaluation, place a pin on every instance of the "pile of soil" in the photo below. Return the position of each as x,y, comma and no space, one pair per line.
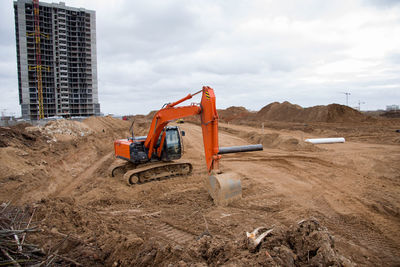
233,113
294,113
140,123
150,115
102,124
305,244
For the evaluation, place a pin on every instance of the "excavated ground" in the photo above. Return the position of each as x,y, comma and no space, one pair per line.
336,204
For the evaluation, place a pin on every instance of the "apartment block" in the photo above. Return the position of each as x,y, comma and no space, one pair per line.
68,60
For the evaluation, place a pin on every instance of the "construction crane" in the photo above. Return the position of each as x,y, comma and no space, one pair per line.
347,97
38,66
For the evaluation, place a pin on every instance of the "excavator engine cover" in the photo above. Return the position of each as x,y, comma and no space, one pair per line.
224,188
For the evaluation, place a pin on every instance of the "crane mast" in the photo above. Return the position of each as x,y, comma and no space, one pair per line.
38,66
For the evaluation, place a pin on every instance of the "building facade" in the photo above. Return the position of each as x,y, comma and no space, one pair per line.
68,60
392,107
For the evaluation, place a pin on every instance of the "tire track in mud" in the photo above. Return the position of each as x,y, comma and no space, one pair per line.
174,234
166,230
262,199
183,187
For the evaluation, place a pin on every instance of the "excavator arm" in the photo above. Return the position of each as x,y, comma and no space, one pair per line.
209,124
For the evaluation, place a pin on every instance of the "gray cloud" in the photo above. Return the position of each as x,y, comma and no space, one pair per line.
383,3
252,53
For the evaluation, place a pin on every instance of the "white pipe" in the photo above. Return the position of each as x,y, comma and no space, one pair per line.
325,140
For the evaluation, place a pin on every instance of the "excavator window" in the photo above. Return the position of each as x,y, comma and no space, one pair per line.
173,144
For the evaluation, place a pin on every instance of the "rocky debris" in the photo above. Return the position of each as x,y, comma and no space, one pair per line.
305,244
54,129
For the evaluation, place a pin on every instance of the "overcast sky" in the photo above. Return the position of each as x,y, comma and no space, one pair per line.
251,52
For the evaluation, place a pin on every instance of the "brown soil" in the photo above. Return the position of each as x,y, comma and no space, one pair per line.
288,112
233,114
348,194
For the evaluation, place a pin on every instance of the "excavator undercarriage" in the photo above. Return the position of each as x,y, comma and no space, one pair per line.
139,174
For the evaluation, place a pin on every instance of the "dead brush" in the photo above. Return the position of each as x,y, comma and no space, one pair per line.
15,224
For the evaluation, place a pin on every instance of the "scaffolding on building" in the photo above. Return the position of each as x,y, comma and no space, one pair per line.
38,66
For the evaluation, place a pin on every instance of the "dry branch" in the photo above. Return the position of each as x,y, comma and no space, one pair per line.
15,224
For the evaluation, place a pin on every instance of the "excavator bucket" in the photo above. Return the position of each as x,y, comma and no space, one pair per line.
224,188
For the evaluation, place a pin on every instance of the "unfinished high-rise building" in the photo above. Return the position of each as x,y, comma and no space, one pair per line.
57,74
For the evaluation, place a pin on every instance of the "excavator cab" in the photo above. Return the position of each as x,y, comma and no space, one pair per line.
172,149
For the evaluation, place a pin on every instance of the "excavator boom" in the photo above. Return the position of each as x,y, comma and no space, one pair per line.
209,124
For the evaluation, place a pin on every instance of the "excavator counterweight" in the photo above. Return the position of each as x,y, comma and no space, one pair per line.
156,156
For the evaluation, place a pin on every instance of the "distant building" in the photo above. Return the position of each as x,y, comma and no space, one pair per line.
392,107
68,60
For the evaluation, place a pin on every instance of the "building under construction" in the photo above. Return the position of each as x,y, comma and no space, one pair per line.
56,58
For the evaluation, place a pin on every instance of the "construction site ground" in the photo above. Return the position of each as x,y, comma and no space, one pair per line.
349,191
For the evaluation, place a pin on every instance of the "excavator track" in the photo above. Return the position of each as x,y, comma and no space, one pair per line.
149,172
120,167
158,171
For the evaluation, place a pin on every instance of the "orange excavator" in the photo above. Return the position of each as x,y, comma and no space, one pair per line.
157,155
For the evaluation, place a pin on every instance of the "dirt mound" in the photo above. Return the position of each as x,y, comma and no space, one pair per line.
278,111
294,113
340,113
307,243
151,114
233,113
102,124
141,124
17,135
